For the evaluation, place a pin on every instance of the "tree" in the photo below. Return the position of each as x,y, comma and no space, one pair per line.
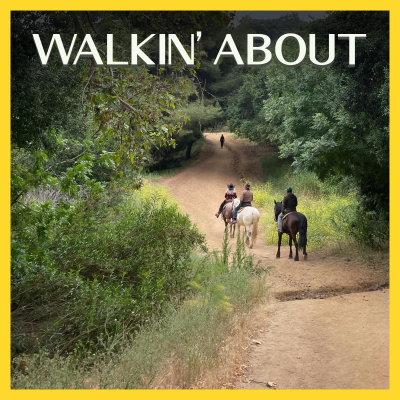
333,121
357,126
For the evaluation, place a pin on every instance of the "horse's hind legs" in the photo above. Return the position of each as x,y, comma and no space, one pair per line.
251,241
290,246
296,258
278,254
232,235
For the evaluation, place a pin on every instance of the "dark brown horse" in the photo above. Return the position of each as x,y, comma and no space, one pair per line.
227,214
293,223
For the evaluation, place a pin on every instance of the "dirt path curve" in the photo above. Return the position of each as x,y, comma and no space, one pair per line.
337,337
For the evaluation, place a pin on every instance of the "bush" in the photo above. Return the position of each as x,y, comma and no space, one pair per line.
177,347
102,269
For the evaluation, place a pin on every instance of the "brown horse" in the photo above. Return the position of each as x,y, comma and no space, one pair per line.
227,214
293,223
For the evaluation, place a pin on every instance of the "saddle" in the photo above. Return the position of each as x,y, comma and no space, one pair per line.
287,214
241,208
227,202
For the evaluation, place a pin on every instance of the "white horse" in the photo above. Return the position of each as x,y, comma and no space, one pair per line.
247,217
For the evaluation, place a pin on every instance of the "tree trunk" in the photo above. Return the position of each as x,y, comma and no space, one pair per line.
188,150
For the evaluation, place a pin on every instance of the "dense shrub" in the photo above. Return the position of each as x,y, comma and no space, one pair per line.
102,269
175,349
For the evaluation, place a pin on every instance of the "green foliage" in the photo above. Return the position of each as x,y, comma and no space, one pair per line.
332,121
274,27
245,106
225,248
43,99
331,207
306,114
128,107
187,338
199,116
87,260
100,269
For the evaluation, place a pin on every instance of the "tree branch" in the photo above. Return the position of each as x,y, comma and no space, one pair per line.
91,24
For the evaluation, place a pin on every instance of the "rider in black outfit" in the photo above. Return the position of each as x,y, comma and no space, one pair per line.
289,204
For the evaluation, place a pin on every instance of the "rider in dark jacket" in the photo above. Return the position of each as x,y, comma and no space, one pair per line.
289,204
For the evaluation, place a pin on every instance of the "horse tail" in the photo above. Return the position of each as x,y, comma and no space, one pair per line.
255,228
302,231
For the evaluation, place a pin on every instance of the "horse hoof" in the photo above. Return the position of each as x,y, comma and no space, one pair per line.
296,259
305,257
278,256
250,245
290,256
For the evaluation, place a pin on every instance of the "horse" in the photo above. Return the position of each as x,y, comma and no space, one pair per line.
293,223
247,217
227,214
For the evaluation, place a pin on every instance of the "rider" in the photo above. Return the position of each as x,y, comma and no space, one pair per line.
245,200
229,195
289,204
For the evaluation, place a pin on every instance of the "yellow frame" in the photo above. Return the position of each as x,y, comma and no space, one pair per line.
290,5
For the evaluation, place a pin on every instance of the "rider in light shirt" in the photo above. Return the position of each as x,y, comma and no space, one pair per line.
245,200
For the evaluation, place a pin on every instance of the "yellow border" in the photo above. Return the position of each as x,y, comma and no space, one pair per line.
308,5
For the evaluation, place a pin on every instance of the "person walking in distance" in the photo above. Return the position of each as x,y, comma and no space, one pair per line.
222,140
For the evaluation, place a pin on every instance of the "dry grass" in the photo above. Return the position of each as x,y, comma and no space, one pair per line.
231,356
370,258
198,346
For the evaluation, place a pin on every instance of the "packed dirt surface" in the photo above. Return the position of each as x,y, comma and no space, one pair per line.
337,336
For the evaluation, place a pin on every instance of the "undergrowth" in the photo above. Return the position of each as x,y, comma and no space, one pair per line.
332,208
100,271
172,350
155,176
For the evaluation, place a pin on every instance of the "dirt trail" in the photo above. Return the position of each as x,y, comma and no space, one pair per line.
337,337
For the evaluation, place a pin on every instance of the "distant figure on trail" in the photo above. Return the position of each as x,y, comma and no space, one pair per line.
245,200
289,204
222,140
229,195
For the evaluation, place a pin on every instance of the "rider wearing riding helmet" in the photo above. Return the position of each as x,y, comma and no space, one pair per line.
229,195
289,204
245,200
